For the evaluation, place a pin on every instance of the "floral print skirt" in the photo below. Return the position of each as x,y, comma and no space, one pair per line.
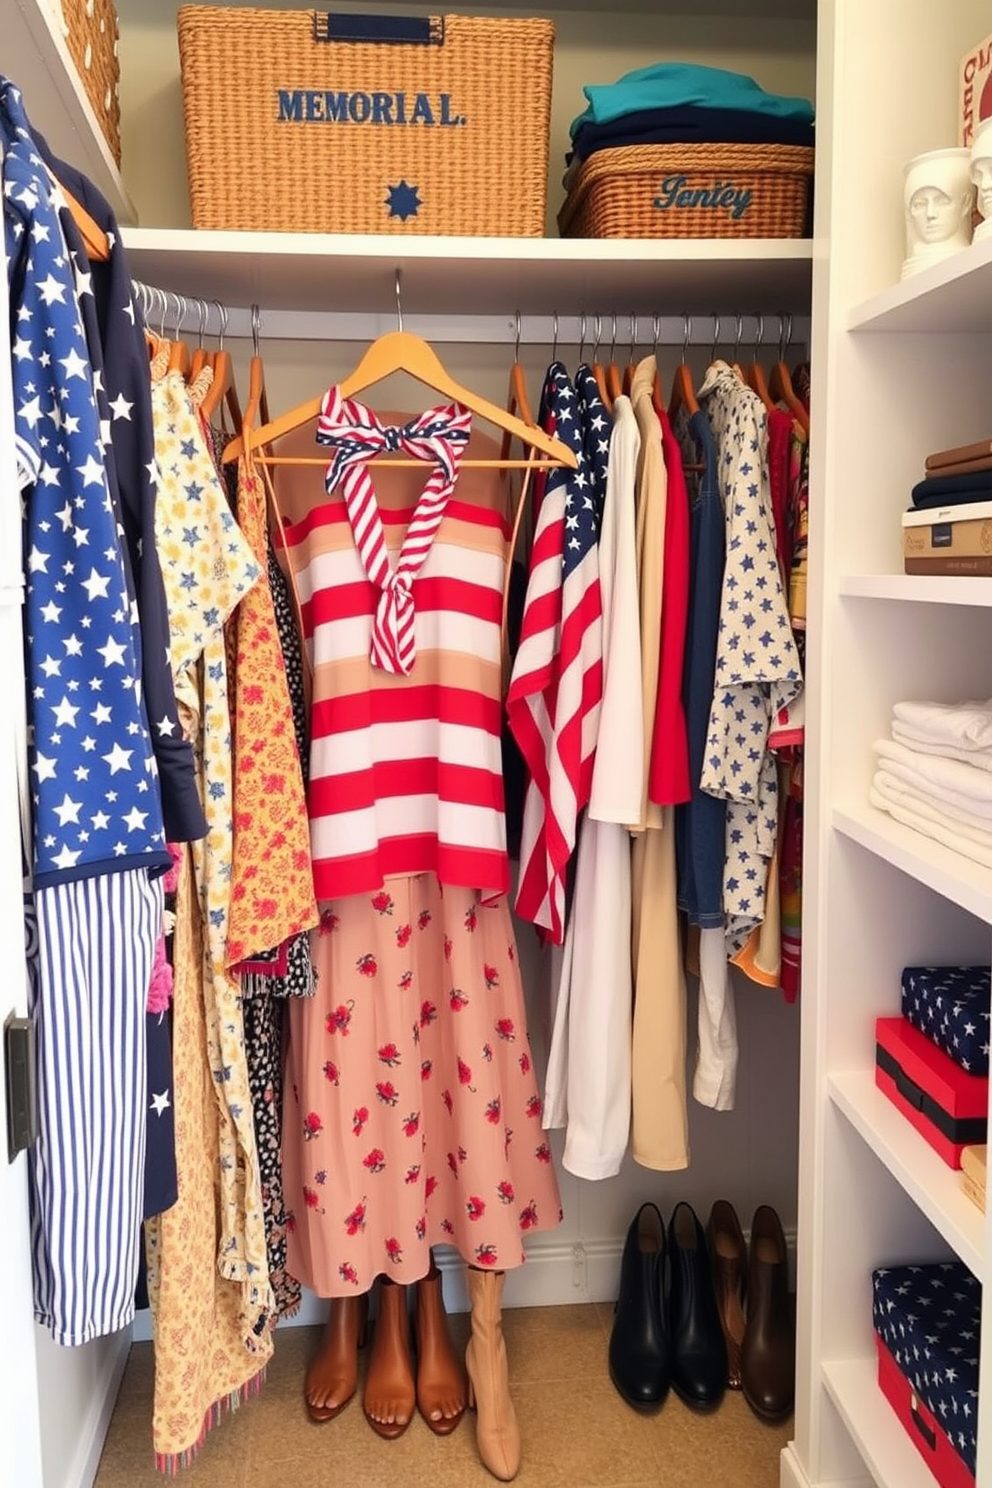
412,1116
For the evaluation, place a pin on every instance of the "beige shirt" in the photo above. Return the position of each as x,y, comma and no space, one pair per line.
652,502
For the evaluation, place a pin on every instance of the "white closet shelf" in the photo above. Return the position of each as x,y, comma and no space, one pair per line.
957,878
952,295
931,1184
919,588
876,1430
337,272
36,57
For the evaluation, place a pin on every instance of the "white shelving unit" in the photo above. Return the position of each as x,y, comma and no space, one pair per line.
899,369
33,52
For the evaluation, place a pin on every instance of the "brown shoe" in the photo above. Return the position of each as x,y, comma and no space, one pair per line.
728,1260
390,1395
333,1375
768,1353
441,1385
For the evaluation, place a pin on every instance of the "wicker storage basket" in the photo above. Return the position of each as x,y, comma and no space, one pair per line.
691,191
303,122
91,33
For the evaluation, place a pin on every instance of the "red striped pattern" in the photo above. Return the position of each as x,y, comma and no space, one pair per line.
554,701
356,435
406,770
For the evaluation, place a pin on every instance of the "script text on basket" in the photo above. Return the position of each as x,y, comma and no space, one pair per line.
722,195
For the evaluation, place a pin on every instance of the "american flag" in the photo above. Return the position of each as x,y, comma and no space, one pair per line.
556,688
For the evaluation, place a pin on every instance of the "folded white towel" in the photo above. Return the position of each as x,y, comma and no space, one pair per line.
895,790
980,758
962,845
958,784
965,725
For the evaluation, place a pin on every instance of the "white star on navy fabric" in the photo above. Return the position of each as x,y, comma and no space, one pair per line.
929,1318
76,629
951,1005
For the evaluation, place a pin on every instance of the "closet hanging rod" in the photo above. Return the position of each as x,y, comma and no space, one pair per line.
361,327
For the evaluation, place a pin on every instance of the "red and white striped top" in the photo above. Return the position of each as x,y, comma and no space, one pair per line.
406,770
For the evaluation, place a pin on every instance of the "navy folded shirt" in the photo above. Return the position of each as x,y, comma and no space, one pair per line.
945,490
690,124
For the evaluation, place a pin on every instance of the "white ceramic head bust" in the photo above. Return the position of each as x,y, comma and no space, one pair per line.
937,196
981,177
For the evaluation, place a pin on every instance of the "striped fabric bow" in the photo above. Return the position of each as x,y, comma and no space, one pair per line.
356,435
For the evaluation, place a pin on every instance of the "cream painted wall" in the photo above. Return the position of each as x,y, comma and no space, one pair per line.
592,47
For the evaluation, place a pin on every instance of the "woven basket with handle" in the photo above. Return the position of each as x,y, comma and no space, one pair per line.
306,122
91,33
690,191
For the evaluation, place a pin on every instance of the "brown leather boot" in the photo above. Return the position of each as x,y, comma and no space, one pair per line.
389,1390
441,1385
497,1432
333,1375
728,1261
768,1352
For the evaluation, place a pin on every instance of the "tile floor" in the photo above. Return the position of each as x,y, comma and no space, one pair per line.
577,1432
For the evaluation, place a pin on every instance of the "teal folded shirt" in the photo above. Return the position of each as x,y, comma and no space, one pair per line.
671,84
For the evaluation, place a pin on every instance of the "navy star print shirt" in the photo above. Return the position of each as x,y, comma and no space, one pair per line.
93,778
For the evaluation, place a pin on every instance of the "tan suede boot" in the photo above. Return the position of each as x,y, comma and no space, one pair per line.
497,1432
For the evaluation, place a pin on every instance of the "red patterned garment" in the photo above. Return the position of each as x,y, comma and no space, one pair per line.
411,1114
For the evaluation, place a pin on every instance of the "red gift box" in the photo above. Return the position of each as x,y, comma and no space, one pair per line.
947,1106
920,1424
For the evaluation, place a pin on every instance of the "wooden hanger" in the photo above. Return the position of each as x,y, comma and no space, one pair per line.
683,388
94,238
222,391
517,401
598,371
755,375
780,382
631,367
401,351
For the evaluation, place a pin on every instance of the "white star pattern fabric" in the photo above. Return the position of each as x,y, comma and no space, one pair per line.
758,671
950,1004
929,1318
95,792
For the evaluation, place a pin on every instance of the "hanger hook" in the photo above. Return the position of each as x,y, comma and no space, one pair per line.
256,327
655,334
759,333
201,322
686,334
554,335
399,301
633,335
582,335
613,338
716,335
164,308
738,333
516,335
788,334
599,332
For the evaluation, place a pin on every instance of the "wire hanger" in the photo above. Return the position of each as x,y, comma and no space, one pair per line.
683,389
401,351
738,333
780,382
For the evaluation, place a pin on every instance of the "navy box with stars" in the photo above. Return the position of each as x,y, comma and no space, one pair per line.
950,1004
927,1322
947,1105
